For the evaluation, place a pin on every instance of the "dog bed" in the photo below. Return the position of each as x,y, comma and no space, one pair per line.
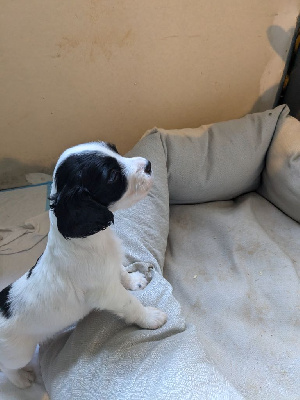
219,234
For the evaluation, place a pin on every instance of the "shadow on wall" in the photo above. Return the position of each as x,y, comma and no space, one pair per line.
263,101
280,40
12,172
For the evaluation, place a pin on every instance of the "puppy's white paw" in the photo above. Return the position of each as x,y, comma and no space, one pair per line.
22,378
154,318
137,281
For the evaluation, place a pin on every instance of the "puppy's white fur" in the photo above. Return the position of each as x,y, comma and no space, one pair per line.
73,277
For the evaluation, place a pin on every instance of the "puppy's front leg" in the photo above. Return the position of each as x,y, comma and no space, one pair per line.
15,352
126,306
133,280
22,378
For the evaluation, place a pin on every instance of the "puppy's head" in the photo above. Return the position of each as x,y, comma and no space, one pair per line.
90,182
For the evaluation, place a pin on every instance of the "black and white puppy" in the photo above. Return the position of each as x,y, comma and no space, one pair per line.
81,267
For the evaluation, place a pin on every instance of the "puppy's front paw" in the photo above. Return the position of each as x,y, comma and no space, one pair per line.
154,318
137,281
22,378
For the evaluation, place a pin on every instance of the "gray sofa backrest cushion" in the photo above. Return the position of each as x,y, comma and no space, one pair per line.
219,161
281,177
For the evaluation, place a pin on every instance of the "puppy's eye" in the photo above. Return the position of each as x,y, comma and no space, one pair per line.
113,176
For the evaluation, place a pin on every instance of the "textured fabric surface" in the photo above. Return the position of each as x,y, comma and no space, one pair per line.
23,230
219,161
234,267
16,239
281,177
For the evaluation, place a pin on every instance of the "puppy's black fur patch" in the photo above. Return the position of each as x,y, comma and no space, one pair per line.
87,183
112,147
31,269
4,302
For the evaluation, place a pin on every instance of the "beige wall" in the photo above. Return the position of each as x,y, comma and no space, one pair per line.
80,70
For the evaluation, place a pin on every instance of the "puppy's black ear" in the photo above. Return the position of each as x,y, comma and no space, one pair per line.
78,214
112,147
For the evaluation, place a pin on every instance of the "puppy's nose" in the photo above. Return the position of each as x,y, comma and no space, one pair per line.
148,168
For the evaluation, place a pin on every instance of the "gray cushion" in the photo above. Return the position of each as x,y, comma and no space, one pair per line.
219,161
281,177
